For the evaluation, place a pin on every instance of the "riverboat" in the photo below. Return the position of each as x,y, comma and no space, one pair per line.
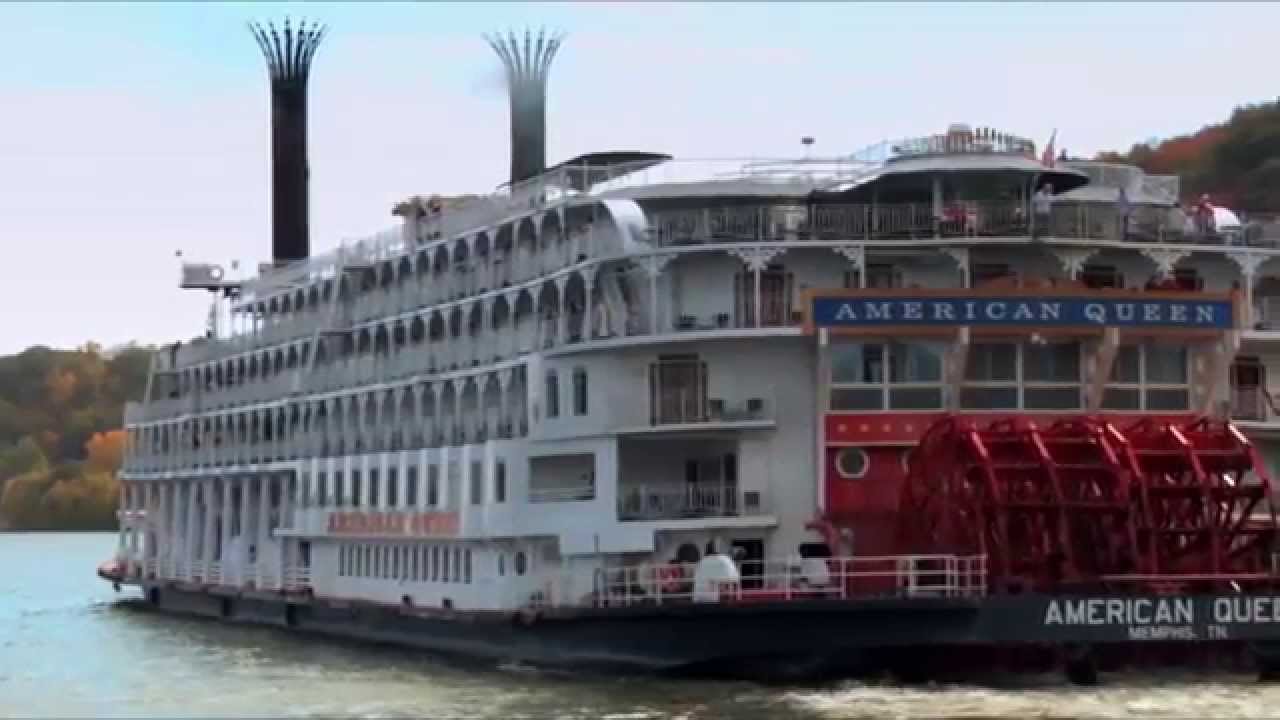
951,402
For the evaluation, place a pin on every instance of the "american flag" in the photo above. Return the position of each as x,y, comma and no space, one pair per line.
1047,159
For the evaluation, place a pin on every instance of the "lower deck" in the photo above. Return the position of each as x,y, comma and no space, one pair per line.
1031,633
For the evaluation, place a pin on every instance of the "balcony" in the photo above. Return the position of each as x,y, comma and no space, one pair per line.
692,500
690,407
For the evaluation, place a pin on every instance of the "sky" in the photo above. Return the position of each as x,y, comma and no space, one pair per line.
131,132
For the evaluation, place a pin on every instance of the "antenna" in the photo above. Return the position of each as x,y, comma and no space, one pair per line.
288,51
527,62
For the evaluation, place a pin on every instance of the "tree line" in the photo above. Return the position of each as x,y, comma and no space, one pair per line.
1236,163
61,436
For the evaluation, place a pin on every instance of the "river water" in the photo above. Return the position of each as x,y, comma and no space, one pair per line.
69,648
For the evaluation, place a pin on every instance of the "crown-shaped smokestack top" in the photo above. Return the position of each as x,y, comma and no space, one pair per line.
527,62
288,52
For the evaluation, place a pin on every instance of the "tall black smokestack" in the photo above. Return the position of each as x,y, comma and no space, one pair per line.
288,53
527,64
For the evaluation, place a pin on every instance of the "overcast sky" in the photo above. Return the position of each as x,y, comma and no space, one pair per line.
134,131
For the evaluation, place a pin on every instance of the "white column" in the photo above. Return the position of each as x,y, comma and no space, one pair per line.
422,478
366,485
263,530
226,511
246,528
208,495
442,474
190,528
164,539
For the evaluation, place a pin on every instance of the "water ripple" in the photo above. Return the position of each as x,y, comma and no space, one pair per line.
68,630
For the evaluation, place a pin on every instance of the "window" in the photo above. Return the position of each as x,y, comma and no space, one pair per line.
395,562
502,564
305,499
1150,376
435,563
553,395
897,375
393,488
433,485
322,490
499,482
522,563
339,498
851,463
987,272
466,567
457,565
879,275
579,391
1051,376
411,488
477,482
342,560
1033,376
1101,276
356,495
374,487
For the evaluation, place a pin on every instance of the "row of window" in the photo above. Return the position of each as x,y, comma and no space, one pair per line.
1005,375
579,393
418,562
349,490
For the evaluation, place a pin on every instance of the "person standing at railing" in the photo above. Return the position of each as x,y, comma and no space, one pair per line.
1041,209
1125,210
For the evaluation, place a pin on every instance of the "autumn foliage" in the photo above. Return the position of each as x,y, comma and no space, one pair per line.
60,438
1237,163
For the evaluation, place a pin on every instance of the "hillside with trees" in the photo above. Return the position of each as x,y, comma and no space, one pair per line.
1236,162
61,441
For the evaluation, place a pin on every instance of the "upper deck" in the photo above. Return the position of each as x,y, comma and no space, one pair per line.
613,246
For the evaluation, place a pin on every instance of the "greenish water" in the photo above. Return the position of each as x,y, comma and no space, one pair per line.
68,648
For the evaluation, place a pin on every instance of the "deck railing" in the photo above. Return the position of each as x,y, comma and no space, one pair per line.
693,500
921,221
840,578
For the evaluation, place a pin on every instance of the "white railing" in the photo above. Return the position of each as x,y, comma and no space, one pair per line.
651,502
679,406
842,578
297,578
565,494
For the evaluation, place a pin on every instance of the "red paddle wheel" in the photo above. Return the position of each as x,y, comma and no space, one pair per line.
1081,502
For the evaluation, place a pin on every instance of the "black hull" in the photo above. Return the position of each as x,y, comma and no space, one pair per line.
916,639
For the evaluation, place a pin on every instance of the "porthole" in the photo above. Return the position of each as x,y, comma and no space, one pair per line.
852,463
521,563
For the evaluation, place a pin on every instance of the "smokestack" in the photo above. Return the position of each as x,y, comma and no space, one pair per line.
527,64
288,53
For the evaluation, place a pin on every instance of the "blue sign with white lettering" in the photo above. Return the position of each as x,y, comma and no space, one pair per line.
1067,311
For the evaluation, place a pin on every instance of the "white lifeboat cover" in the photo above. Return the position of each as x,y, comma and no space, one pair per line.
712,572
815,572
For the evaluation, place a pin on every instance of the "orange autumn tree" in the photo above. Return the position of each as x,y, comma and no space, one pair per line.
104,452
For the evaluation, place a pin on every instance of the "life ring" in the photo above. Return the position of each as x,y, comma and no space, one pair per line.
670,579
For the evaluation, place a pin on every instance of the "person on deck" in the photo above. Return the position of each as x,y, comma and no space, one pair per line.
1124,209
1042,209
